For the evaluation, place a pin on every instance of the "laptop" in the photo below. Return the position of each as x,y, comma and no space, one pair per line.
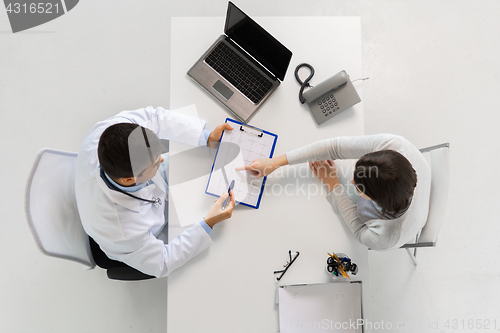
243,67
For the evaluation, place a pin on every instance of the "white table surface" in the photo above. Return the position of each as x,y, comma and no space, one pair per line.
231,286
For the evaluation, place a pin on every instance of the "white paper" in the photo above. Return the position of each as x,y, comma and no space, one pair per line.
237,149
325,307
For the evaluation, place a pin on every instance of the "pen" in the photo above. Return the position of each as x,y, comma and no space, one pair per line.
344,274
229,197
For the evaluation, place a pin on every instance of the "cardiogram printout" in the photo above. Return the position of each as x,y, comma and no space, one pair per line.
238,148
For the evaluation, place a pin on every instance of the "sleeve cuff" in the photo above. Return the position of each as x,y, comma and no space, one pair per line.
291,157
203,137
205,226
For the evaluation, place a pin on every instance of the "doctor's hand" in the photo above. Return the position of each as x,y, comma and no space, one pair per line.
216,214
264,166
214,137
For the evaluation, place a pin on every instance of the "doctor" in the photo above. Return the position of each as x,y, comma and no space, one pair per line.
121,190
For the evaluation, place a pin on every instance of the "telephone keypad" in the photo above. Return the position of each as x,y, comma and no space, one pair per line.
329,105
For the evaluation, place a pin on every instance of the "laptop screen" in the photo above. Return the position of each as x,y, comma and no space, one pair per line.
257,42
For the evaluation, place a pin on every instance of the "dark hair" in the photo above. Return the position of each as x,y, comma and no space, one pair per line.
119,141
388,178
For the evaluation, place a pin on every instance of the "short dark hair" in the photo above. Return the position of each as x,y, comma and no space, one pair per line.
388,178
119,141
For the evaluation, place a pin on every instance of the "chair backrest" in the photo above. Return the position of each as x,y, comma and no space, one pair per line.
440,167
51,210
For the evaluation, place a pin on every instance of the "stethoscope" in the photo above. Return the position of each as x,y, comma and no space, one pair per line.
156,201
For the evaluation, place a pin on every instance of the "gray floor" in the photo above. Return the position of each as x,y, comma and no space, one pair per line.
434,77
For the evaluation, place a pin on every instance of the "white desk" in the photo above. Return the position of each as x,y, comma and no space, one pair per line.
231,286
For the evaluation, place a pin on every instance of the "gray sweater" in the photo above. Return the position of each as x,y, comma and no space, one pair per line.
377,234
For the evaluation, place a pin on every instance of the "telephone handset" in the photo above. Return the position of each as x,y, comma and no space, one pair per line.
328,98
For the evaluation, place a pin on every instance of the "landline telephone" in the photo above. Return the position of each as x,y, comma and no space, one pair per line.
328,98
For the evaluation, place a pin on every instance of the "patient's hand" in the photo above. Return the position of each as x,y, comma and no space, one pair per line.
326,171
261,167
214,137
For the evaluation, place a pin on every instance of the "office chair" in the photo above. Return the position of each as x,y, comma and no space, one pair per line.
52,214
440,166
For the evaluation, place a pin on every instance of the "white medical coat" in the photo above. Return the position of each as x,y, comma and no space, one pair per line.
128,229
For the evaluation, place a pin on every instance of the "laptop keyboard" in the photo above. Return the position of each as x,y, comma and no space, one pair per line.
238,72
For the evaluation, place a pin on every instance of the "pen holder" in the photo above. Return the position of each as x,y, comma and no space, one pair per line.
340,266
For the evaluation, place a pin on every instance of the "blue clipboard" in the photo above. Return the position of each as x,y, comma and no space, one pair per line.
237,126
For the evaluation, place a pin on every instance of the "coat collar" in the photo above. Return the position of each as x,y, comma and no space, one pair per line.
117,197
159,181
123,199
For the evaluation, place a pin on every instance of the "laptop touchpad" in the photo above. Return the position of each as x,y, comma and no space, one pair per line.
222,90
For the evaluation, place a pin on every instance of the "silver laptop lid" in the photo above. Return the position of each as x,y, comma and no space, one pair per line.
250,36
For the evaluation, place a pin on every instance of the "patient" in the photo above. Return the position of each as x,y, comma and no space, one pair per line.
393,205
